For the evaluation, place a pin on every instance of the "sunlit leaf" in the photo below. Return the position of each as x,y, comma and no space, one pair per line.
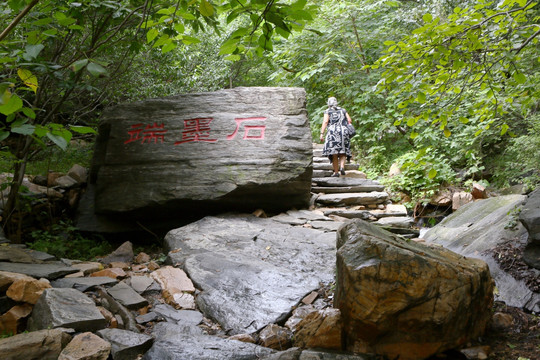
432,173
82,129
28,78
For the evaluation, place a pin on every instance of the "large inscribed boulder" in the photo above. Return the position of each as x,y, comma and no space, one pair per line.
236,149
407,300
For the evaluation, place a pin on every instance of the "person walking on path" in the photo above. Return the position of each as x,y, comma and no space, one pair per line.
337,144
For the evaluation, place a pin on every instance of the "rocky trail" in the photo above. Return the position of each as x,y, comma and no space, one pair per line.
233,286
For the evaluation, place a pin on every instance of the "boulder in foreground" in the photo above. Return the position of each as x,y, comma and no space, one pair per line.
403,299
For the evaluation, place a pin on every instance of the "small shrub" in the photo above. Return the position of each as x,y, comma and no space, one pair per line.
64,241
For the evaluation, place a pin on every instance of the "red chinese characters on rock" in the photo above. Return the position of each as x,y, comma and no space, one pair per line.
248,128
153,132
196,130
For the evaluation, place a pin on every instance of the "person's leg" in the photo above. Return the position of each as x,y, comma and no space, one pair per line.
335,164
342,158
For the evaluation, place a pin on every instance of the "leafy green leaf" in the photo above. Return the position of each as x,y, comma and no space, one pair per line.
29,112
82,129
432,173
96,70
78,65
151,35
25,129
3,135
427,18
206,8
520,78
32,51
60,141
13,104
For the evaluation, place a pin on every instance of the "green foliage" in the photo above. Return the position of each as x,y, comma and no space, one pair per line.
475,65
422,174
64,241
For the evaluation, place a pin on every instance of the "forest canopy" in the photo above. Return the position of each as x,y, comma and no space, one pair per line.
445,89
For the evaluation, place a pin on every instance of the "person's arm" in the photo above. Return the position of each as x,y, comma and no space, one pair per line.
323,127
348,118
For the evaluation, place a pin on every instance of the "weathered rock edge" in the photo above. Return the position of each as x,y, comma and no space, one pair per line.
153,179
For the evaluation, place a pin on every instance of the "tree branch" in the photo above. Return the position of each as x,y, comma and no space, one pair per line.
517,50
17,19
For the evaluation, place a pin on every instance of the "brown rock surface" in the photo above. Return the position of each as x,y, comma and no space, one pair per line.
12,322
7,278
461,198
86,346
36,345
27,290
275,337
176,287
114,273
319,329
407,299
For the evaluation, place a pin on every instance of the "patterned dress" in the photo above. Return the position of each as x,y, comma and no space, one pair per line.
337,137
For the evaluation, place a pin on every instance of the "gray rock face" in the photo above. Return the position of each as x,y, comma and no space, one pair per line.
68,308
530,218
83,283
476,229
126,345
127,296
174,342
48,271
237,149
252,271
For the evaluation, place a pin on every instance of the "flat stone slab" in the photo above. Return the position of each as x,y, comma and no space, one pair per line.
344,181
67,308
190,317
48,271
127,296
84,283
345,189
125,344
252,271
326,225
187,342
349,214
374,197
396,221
141,283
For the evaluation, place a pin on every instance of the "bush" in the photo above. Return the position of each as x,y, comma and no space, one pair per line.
64,241
422,174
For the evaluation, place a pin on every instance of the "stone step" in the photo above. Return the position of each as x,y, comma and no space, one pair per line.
374,197
391,210
344,181
321,173
357,174
328,166
346,189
